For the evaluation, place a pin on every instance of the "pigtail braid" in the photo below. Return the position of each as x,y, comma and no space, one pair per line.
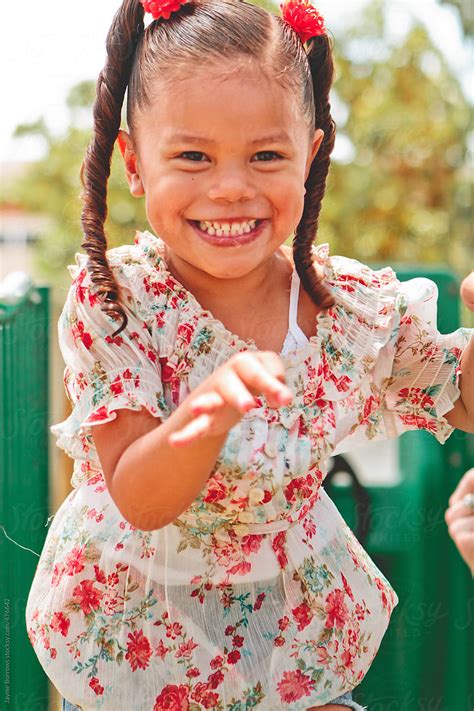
122,38
322,71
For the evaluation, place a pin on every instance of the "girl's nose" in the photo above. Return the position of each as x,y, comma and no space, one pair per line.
232,185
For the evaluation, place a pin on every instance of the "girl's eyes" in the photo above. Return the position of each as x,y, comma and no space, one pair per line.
199,153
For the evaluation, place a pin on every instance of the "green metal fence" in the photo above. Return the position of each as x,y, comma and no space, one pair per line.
426,658
24,324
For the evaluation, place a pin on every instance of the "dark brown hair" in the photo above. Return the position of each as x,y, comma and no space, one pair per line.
207,30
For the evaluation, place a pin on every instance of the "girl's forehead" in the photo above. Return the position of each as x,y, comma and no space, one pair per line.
230,103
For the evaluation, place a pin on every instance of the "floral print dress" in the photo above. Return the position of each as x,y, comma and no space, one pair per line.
258,595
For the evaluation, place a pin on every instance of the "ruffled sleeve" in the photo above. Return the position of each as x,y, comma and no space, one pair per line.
418,372
103,374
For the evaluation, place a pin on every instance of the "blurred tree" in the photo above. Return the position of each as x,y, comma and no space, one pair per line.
466,14
402,192
52,186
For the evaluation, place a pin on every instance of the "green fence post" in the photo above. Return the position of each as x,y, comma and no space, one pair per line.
24,352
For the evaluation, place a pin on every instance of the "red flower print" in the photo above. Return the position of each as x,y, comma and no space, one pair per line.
60,623
87,596
79,334
251,543
97,416
283,623
337,612
138,650
116,386
216,662
381,587
194,671
204,696
160,650
216,491
259,600
160,320
314,395
416,397
238,641
174,630
294,685
233,657
278,546
420,423
111,602
241,568
100,575
347,587
279,641
215,679
185,332
185,649
58,572
74,561
172,698
96,687
116,340
309,527
302,615
210,700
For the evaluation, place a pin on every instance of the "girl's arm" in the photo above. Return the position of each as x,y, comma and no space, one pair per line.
462,414
162,472
153,482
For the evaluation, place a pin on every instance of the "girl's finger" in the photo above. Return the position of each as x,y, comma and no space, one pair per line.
192,431
255,375
208,402
465,486
233,391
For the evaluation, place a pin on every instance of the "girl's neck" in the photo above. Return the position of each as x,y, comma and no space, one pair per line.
236,296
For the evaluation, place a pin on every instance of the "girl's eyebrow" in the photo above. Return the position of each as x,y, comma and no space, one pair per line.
277,137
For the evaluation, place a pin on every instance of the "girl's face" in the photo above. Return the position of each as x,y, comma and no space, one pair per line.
227,149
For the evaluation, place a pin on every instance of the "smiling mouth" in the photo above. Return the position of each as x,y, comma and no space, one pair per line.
230,228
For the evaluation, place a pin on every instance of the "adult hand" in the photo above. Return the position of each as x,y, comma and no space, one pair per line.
460,519
467,291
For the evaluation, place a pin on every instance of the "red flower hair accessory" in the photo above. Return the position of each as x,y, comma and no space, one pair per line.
304,18
162,8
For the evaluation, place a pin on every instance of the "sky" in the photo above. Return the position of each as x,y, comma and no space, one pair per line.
47,47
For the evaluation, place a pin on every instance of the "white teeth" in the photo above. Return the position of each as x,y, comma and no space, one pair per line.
226,228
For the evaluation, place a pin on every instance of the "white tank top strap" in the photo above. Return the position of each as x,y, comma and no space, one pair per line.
292,320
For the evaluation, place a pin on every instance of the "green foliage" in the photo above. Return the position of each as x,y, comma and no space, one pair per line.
404,194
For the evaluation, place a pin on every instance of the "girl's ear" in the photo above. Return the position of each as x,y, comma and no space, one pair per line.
318,137
130,159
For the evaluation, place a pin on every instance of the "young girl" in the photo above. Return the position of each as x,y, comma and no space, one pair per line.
198,562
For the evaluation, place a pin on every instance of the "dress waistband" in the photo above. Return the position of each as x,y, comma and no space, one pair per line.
241,528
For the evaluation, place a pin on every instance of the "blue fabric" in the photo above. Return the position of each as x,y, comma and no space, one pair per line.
345,700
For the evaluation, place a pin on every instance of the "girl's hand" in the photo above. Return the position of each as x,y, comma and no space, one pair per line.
225,396
467,291
460,519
